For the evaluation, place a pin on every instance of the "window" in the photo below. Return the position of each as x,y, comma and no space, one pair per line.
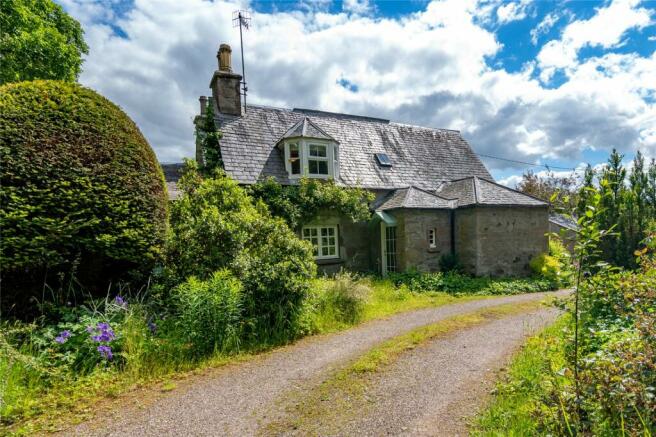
323,240
390,248
431,238
317,159
383,159
295,159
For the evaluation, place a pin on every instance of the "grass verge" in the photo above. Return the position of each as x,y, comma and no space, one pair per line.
532,373
342,396
67,401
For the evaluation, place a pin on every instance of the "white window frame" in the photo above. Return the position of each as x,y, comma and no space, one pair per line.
331,158
320,244
432,238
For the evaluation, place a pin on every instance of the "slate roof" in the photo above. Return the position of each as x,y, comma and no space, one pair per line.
480,191
563,222
305,128
413,197
421,157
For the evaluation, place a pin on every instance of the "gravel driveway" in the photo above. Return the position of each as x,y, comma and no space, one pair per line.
232,401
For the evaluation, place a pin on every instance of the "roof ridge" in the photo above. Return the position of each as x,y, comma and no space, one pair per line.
428,192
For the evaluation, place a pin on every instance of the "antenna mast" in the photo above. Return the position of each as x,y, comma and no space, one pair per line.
242,19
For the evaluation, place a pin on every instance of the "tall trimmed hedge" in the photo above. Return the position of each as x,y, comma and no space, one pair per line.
81,187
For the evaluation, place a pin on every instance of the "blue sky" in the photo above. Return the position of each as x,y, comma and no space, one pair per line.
551,82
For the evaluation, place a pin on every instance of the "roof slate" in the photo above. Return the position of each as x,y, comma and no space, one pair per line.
421,157
413,197
563,221
479,191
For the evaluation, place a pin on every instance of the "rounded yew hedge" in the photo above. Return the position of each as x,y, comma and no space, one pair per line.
81,191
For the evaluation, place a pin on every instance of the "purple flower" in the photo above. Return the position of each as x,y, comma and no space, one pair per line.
152,326
118,300
90,329
103,333
63,337
105,352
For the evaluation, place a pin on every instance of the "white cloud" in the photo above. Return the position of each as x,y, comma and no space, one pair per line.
605,29
358,7
544,26
512,11
428,68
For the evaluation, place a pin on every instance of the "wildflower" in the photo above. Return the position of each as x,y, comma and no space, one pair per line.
104,333
118,300
152,326
63,337
105,352
90,329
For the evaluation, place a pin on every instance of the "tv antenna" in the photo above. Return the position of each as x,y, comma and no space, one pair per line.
243,20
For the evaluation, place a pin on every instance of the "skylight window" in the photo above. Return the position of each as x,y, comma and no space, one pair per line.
383,159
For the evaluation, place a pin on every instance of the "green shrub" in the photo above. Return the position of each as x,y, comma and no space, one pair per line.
80,187
297,204
216,225
450,262
556,266
343,299
457,283
209,313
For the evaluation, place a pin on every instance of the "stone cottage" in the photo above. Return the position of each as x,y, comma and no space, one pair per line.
434,196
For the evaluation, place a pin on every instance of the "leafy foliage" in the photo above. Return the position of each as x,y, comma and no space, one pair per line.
216,225
556,266
456,283
80,185
39,41
628,203
208,136
561,191
209,313
298,204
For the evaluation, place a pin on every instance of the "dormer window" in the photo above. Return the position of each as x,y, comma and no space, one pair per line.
309,151
294,159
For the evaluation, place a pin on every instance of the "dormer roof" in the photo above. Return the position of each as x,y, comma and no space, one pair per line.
306,128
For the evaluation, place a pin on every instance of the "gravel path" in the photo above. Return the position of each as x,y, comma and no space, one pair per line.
232,400
434,389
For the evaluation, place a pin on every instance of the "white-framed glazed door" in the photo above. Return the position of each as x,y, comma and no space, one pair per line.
388,248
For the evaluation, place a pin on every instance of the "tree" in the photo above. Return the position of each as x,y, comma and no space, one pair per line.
561,191
82,191
209,136
39,41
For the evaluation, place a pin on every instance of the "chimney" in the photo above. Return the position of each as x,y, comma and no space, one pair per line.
225,84
203,105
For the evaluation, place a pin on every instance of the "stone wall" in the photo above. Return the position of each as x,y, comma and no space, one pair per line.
504,239
355,242
412,238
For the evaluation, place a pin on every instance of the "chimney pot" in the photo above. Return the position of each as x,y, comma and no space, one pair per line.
224,56
203,104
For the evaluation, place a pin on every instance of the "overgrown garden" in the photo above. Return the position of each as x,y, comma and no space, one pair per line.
106,284
594,373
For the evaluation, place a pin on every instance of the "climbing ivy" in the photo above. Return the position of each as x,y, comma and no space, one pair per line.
298,204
